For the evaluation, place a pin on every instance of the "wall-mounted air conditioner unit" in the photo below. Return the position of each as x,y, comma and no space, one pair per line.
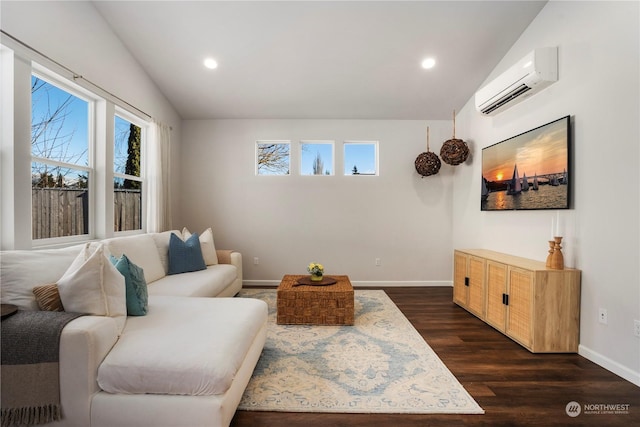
531,74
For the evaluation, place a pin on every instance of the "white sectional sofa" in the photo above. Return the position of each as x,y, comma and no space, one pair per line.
185,363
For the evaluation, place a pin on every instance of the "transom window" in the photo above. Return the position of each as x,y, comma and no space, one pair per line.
316,158
273,157
361,158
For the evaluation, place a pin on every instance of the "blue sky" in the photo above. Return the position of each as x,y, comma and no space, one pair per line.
308,153
361,155
72,132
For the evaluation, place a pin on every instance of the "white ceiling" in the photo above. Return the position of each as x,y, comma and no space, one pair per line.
321,60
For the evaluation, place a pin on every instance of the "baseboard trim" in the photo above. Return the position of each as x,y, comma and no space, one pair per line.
366,283
610,365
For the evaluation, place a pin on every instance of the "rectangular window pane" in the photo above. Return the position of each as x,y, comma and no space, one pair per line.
273,157
60,201
360,158
59,124
127,184
316,158
126,150
127,204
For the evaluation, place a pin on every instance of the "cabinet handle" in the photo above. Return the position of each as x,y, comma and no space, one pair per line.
505,299
466,281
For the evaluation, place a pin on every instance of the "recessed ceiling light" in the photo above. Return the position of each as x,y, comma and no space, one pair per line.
210,63
428,63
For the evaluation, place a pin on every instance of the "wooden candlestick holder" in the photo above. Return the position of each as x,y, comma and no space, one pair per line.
557,259
552,245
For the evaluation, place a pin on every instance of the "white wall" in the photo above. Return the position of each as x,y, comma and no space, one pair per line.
344,222
76,36
599,87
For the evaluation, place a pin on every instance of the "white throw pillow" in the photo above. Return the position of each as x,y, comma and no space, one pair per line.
92,285
162,244
22,270
206,244
141,249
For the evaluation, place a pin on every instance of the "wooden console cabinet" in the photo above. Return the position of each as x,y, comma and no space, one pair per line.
535,306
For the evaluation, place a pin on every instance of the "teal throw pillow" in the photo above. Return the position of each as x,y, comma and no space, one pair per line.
135,284
185,256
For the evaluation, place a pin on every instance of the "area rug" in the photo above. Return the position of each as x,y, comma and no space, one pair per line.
381,364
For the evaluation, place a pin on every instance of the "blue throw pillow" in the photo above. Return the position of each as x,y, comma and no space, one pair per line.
185,256
135,285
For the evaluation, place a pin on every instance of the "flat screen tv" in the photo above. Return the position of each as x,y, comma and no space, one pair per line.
528,171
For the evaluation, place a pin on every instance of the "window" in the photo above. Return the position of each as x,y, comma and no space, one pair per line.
61,169
360,158
127,177
316,158
273,158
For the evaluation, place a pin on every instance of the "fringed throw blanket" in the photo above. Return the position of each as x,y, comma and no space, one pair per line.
30,375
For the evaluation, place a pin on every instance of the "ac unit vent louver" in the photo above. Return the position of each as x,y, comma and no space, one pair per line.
532,73
505,99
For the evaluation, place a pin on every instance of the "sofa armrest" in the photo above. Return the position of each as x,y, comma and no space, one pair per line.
232,257
84,343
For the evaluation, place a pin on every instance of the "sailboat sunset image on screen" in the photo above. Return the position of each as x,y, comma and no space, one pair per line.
528,171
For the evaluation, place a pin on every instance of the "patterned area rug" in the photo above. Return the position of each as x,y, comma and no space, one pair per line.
379,365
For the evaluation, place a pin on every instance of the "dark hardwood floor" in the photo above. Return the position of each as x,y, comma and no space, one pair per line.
512,385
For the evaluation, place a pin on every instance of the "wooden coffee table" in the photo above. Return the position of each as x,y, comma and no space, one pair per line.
314,304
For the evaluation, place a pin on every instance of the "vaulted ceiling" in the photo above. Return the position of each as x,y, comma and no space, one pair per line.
315,59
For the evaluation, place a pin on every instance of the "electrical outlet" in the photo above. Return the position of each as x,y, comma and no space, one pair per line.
378,263
636,328
602,316
256,260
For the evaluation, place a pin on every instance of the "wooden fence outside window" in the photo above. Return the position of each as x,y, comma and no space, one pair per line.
59,212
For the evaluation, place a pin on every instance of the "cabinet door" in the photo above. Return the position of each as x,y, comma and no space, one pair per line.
459,275
496,311
520,308
476,286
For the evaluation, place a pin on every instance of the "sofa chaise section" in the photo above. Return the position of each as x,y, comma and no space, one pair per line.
188,363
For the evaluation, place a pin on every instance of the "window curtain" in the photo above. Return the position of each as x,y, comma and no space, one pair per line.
157,178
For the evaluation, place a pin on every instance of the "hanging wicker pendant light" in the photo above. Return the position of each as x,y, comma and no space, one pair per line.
454,151
427,163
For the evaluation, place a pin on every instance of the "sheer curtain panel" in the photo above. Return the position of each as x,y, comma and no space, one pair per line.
158,167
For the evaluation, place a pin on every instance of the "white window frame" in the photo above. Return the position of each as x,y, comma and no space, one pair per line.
361,142
269,141
144,132
319,142
81,93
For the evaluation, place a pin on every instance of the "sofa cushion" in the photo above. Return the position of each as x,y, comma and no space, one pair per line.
135,285
184,346
92,285
162,244
206,244
48,297
141,249
185,255
22,270
203,283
